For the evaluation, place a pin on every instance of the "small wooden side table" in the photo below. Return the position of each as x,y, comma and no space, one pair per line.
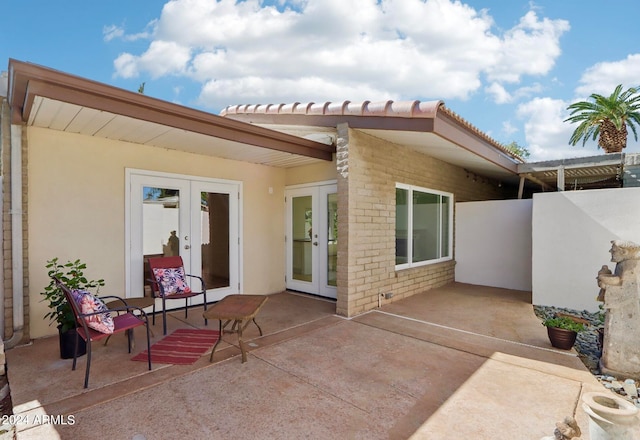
239,310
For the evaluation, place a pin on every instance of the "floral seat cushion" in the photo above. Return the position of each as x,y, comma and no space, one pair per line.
88,303
172,279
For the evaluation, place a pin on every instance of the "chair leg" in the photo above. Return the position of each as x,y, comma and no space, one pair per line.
129,336
164,317
75,351
186,307
205,309
86,374
148,346
153,317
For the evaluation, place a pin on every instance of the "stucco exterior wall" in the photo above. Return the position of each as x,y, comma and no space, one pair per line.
320,172
572,233
77,209
368,170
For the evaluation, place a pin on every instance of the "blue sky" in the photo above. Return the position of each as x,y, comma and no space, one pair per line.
508,67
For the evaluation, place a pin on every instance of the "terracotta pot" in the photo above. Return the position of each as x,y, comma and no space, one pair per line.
561,338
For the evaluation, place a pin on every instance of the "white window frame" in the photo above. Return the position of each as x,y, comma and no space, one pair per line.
410,263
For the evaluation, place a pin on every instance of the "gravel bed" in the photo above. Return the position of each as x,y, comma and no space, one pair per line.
589,351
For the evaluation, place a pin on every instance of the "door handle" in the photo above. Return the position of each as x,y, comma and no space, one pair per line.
315,243
186,246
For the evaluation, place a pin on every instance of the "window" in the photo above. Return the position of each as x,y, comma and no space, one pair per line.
423,226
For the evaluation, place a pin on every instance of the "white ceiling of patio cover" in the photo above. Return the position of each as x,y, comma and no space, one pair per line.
71,118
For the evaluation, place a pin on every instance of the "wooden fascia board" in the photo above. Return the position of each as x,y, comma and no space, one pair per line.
332,121
454,132
36,81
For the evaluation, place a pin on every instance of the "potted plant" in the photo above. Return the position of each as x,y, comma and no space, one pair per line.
562,331
72,275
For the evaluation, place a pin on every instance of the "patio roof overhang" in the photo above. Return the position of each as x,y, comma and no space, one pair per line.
43,97
427,127
593,172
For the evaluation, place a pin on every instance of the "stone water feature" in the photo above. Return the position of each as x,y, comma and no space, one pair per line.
620,292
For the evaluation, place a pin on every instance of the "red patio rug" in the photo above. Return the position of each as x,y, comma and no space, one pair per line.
182,347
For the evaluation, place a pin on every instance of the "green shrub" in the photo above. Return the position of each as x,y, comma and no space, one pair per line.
72,275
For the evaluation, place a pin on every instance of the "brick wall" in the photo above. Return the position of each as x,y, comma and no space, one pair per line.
368,170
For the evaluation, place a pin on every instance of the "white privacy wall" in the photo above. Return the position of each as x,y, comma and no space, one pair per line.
493,243
572,233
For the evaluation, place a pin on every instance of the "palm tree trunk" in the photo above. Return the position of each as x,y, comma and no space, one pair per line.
612,140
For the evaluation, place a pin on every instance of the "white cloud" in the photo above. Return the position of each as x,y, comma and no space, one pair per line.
315,50
530,48
527,91
111,32
602,78
508,128
499,93
162,58
547,136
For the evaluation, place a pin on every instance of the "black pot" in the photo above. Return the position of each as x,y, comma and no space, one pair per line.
68,344
561,338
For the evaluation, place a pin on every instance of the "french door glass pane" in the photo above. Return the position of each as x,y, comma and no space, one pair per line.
160,225
332,239
302,235
214,221
426,219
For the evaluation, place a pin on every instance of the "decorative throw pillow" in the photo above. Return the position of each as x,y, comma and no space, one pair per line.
87,303
172,279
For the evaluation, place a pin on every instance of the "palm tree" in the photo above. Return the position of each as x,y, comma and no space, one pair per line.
606,118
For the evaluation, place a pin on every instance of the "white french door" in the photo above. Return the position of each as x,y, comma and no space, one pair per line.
196,218
312,239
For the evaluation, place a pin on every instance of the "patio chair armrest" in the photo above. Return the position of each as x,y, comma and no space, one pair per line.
129,309
117,310
113,297
200,278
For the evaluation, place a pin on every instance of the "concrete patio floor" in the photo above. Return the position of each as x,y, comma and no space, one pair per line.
459,361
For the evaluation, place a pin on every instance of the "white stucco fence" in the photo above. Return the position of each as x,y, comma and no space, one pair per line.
493,243
572,233
553,245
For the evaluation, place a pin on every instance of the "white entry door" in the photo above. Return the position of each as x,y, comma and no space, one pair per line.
312,239
197,219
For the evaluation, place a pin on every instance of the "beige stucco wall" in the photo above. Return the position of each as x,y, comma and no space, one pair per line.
368,170
319,172
77,209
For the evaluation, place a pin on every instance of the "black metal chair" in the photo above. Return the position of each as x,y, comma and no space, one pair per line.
124,320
